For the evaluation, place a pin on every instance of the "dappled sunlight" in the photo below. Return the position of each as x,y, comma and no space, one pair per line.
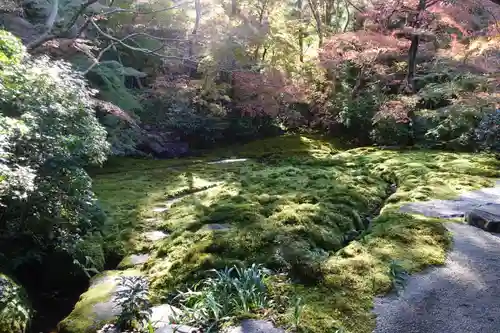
295,212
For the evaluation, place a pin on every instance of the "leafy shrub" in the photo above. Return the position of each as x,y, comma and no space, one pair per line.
201,117
15,312
390,132
48,133
132,297
488,132
230,292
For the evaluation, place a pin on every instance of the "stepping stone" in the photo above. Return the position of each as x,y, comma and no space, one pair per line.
486,217
216,226
229,160
155,235
133,260
255,326
162,316
160,209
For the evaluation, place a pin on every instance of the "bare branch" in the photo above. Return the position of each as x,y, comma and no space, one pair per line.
137,49
99,56
123,10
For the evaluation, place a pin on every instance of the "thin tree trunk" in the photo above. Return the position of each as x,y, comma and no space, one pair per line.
193,39
317,17
413,51
301,31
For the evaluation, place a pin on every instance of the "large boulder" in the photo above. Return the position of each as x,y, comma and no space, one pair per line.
15,311
486,217
163,145
18,26
97,306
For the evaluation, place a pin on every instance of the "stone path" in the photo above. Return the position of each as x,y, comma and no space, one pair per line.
463,296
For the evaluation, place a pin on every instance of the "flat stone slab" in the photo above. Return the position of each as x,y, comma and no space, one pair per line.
229,160
255,326
133,260
216,226
485,217
155,235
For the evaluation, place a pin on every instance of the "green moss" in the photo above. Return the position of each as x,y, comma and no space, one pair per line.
86,316
291,211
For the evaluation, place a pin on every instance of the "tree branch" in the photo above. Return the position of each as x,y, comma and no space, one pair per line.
137,49
48,36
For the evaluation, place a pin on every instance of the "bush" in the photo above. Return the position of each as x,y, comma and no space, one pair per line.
390,132
488,132
202,118
48,133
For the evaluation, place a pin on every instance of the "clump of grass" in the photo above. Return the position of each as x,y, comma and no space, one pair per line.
398,275
228,293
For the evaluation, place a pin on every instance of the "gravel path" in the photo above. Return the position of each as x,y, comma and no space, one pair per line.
463,296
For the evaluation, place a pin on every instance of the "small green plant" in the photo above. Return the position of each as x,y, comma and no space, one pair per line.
298,307
229,292
398,275
133,298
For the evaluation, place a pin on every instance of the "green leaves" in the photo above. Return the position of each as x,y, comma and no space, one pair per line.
229,292
48,133
11,49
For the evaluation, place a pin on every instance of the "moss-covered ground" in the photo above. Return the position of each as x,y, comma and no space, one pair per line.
293,206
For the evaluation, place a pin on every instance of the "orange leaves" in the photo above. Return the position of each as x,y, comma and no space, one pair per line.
360,47
264,93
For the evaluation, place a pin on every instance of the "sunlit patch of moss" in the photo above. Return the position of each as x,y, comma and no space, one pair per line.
290,208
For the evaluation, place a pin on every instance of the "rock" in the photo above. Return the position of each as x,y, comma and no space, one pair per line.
177,329
255,326
485,217
155,235
229,160
162,145
133,260
162,317
216,226
97,306
18,26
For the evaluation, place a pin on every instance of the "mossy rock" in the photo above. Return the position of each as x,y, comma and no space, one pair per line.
15,311
133,260
96,306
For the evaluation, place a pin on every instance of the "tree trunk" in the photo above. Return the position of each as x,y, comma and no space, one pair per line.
412,63
412,52
193,39
301,31
317,17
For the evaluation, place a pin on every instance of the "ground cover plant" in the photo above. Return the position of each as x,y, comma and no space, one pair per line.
324,221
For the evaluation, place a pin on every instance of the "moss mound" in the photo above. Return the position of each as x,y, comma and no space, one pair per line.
292,207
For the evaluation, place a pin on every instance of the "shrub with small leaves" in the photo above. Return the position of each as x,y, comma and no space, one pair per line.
48,134
488,132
